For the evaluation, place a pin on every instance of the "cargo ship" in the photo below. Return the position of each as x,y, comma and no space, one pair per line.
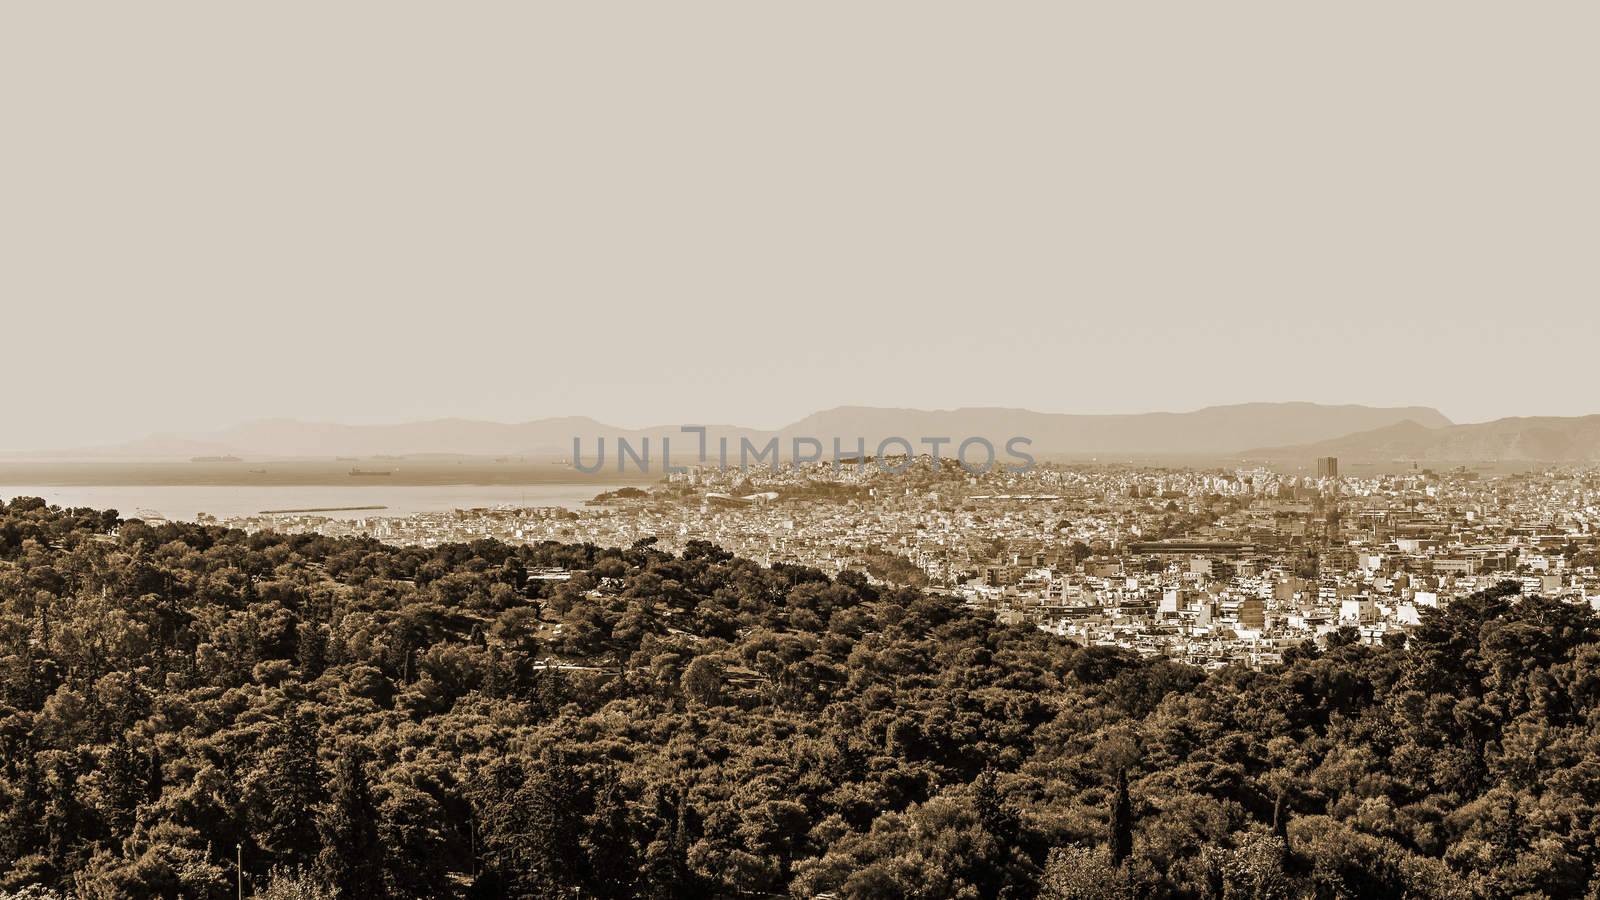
368,472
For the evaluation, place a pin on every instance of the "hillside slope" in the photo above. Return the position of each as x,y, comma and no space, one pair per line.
407,722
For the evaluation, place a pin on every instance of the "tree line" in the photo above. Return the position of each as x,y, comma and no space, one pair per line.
350,718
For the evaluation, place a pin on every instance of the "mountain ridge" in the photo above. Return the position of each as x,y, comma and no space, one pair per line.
1512,439
1215,430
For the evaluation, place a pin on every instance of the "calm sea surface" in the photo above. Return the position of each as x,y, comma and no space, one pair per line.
223,501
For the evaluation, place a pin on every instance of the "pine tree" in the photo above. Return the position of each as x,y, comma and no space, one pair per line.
154,781
1510,839
64,819
351,860
21,816
1002,826
122,788
289,788
1121,825
498,679
992,812
608,841
666,874
513,572
551,842
311,650
532,829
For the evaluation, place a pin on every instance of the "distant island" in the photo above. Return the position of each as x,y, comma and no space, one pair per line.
623,493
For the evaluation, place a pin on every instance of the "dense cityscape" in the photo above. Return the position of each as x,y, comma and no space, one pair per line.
1205,566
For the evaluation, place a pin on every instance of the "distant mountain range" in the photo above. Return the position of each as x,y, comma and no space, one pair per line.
1294,428
1538,439
1215,430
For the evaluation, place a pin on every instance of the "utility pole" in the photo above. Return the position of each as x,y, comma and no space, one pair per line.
238,867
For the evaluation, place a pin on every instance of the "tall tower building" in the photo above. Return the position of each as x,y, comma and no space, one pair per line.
1327,467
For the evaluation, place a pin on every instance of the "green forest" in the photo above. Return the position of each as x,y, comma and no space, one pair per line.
485,720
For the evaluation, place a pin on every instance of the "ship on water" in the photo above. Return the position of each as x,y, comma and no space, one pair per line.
368,472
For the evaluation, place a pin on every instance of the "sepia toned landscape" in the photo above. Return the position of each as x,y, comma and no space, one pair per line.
757,451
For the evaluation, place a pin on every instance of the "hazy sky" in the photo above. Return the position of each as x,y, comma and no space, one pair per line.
745,212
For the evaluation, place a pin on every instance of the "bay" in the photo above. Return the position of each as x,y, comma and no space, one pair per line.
185,501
